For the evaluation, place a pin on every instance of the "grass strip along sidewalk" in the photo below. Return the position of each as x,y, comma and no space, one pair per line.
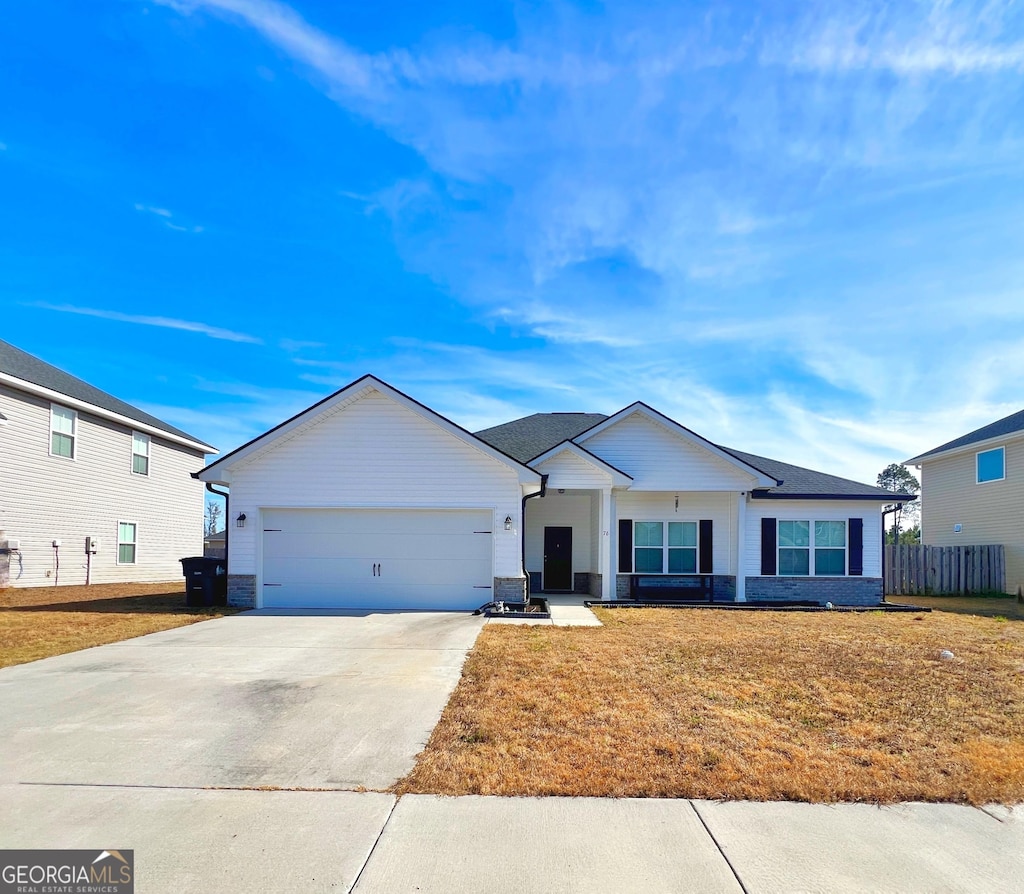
729,705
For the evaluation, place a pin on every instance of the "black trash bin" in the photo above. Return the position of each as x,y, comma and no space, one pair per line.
206,582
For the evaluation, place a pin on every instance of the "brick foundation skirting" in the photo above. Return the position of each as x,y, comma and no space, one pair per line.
509,589
723,587
242,590
837,590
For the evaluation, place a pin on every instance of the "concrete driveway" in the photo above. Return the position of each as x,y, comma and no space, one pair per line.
332,700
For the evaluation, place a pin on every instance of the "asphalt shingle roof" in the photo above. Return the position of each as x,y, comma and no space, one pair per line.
1008,425
525,438
22,365
533,435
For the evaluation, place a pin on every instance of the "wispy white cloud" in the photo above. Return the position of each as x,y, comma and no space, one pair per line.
166,216
160,322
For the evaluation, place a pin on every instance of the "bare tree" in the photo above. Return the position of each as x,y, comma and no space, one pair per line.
214,512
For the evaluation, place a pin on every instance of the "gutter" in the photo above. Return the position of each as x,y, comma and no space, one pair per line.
522,536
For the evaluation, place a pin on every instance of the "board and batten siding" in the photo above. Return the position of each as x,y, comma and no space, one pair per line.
990,513
720,508
812,511
373,453
659,459
48,497
565,510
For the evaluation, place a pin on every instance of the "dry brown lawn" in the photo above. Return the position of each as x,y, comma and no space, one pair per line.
37,622
738,705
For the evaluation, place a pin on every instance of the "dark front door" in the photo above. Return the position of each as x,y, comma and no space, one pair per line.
558,558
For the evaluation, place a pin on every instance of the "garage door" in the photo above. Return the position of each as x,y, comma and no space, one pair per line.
377,558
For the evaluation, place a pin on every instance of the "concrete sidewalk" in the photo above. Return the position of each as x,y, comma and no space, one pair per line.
566,611
301,841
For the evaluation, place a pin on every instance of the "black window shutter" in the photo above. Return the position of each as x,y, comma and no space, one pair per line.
625,546
706,546
768,553
857,546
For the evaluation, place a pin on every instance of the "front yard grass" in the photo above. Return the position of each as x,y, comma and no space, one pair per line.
37,622
738,705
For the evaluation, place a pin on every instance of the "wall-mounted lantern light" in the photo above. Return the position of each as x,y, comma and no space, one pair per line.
508,522
240,521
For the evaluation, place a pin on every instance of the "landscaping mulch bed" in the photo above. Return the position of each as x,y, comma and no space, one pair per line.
817,707
37,622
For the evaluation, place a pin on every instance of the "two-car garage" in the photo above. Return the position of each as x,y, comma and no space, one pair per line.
377,558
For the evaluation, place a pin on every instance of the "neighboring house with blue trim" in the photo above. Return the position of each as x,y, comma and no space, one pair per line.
369,499
94,489
972,492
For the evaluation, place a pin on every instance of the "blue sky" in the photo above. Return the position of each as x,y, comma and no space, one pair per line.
796,228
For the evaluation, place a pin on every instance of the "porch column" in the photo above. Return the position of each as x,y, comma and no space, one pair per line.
741,542
605,559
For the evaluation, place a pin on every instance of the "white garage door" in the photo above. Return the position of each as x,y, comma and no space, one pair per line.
377,558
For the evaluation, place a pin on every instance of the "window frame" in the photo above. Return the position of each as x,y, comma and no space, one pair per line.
812,547
133,543
73,435
1001,450
148,454
665,547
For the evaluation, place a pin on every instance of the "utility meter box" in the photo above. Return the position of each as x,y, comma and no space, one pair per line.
92,544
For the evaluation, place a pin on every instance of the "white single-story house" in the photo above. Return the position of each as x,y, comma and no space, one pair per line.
371,500
972,492
95,490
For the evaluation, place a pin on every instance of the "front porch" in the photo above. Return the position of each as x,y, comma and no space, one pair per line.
572,543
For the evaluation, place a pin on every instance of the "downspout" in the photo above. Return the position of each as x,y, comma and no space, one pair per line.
522,539
227,516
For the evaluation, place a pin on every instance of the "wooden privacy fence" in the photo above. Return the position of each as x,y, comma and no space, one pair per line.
916,569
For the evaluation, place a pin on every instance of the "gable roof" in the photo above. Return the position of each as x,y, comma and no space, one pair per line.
351,392
681,430
22,370
529,437
617,475
1008,425
547,431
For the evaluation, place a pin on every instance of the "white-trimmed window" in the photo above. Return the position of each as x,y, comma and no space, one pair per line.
63,431
799,540
991,465
140,453
664,547
127,542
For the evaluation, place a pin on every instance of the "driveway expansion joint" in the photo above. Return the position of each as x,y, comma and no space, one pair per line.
721,850
376,841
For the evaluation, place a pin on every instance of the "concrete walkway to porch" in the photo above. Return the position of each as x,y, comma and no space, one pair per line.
567,610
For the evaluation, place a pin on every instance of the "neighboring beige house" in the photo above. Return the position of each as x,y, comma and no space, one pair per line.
972,492
215,544
94,489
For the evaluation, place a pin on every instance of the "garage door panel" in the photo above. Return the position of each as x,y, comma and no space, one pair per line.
378,521
365,558
376,547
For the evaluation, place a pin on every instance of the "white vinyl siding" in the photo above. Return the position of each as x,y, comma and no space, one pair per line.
140,453
572,472
374,453
45,499
720,508
661,460
63,431
811,511
127,542
562,510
